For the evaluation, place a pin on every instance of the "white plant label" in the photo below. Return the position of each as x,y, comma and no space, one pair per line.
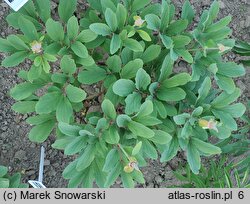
36,184
16,4
39,183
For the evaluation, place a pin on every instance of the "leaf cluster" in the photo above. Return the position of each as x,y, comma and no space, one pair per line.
7,181
128,51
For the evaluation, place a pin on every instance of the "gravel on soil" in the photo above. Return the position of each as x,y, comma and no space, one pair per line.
21,155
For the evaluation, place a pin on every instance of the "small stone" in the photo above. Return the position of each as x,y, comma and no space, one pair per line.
242,24
52,172
20,155
247,23
222,4
46,163
206,3
158,179
119,182
150,185
53,5
4,128
241,85
29,173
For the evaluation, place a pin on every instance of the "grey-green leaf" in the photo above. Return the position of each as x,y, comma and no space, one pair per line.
123,87
66,9
111,19
75,94
54,30
100,29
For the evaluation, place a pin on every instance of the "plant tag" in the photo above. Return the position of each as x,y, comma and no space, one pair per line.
39,183
36,184
16,4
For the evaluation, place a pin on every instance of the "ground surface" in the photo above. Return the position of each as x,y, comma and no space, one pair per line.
19,154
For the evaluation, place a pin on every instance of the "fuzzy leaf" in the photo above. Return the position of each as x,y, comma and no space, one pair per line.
139,4
92,76
23,90
86,36
187,11
204,89
115,44
144,35
24,106
153,21
68,65
225,83
114,63
185,55
28,29
66,9
161,137
133,45
171,94
6,46
177,80
225,99
231,69
205,147
111,19
64,110
41,132
112,136
113,175
75,94
177,27
112,159
151,53
142,79
170,150
140,130
69,130
76,145
86,158
236,110
43,9
133,103
54,30
123,87
130,69
4,183
121,15
122,120
72,28
48,102
137,148
16,42
79,49
167,41
15,59
109,109
3,171
193,158
100,29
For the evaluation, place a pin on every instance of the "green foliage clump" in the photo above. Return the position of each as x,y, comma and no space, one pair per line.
243,49
7,181
220,174
128,52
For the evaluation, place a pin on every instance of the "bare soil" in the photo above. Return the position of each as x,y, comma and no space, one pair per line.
19,154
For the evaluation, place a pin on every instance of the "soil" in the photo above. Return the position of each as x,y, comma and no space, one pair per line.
21,155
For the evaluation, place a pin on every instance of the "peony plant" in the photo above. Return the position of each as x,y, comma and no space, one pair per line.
127,52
